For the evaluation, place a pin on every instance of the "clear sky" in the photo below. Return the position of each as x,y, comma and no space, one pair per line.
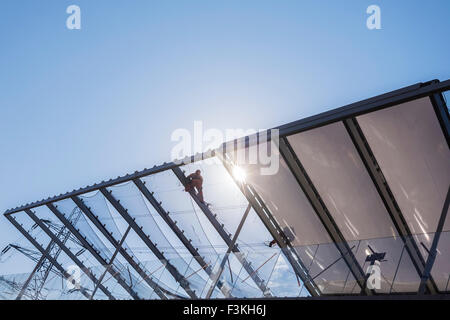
81,106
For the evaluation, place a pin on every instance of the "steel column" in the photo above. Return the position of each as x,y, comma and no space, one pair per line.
124,213
387,197
225,236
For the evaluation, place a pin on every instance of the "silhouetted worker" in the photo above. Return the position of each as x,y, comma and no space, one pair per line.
289,232
195,180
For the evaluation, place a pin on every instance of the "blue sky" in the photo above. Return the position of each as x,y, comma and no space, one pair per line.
81,106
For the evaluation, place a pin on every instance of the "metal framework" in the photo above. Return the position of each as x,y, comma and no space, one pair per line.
36,244
225,236
179,233
386,195
347,115
79,202
146,238
274,229
322,212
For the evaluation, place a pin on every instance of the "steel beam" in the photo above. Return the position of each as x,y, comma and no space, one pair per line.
66,250
95,253
229,250
322,212
387,197
34,242
146,239
38,264
110,264
274,229
409,93
180,234
224,235
440,107
80,204
434,245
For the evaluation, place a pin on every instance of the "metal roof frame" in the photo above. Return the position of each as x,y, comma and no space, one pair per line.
347,115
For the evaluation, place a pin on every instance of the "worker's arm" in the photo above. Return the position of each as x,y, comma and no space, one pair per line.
190,176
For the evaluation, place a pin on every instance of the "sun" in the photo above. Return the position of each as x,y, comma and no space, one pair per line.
239,174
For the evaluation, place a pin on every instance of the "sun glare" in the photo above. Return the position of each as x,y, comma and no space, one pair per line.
239,174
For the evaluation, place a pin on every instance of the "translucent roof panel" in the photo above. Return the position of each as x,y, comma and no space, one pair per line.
336,170
338,173
410,148
286,201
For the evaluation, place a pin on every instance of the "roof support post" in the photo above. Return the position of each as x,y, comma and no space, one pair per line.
180,234
387,197
34,242
322,212
226,237
87,211
434,245
146,239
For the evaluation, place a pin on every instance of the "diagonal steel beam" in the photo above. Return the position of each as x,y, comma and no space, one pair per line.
38,264
170,267
87,211
110,264
34,242
230,247
180,234
224,235
94,252
387,197
311,193
434,245
66,250
274,229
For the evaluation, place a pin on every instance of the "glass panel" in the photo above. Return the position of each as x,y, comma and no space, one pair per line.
283,196
343,183
192,221
131,199
229,204
409,145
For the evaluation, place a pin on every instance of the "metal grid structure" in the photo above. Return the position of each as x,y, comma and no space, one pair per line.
365,184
